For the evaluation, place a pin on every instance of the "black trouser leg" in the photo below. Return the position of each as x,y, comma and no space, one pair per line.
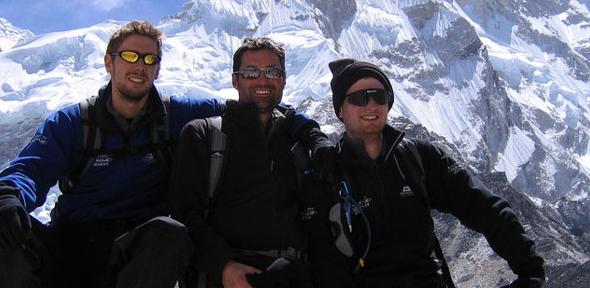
16,271
153,255
83,253
32,265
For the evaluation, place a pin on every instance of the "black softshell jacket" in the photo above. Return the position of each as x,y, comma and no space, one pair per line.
256,203
402,228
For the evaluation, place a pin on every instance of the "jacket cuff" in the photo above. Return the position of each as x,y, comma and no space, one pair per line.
6,189
533,268
313,138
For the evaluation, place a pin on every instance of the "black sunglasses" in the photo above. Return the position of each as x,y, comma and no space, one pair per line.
133,56
254,72
361,98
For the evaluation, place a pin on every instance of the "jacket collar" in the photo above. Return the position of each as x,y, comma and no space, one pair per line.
247,115
391,137
352,152
107,121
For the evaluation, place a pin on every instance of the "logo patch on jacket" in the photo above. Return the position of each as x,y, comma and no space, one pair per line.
149,158
39,139
406,192
308,213
102,160
363,204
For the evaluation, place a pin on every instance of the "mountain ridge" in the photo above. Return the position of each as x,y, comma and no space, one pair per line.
10,35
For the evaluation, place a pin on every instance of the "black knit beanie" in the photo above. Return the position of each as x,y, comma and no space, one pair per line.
347,71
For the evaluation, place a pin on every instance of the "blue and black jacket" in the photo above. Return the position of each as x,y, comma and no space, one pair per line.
115,186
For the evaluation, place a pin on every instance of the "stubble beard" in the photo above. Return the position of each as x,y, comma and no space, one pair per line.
267,104
132,95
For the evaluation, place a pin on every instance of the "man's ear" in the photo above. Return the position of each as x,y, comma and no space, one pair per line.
234,80
157,72
108,63
340,113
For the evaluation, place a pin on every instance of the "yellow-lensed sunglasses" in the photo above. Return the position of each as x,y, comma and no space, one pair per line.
133,56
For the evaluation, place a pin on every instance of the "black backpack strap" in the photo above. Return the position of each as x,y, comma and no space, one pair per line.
160,138
415,173
217,145
91,141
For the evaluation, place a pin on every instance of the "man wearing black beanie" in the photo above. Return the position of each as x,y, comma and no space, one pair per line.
383,188
347,71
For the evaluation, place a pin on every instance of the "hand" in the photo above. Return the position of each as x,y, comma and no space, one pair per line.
526,282
234,275
15,224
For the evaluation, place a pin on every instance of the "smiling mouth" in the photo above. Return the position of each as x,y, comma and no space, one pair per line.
136,79
370,117
262,92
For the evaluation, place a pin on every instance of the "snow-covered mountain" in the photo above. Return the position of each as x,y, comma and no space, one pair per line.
10,35
502,85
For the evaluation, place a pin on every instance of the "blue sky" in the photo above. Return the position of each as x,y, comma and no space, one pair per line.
43,16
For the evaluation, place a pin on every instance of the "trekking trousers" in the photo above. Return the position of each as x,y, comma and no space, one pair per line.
152,254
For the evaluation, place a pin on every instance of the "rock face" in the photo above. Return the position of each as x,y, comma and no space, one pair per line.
562,246
334,15
502,85
570,276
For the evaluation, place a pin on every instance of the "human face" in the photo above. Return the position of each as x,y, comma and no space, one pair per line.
265,93
132,81
364,121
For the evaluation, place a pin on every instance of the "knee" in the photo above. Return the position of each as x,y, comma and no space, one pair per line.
167,231
163,223
15,268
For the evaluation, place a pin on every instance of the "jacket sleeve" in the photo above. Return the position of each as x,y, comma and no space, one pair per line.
46,158
185,109
188,198
307,131
453,189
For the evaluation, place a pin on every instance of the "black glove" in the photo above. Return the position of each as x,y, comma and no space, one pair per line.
527,282
323,163
15,224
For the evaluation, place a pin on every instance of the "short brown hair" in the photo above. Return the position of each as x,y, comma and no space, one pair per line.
258,43
135,27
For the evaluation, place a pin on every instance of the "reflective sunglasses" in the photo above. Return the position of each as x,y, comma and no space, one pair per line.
133,56
361,98
254,72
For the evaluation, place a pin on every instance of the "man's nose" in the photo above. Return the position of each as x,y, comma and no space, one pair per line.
372,103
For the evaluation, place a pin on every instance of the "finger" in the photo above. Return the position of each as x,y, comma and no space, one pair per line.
7,240
15,228
4,235
252,270
243,283
25,221
19,235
